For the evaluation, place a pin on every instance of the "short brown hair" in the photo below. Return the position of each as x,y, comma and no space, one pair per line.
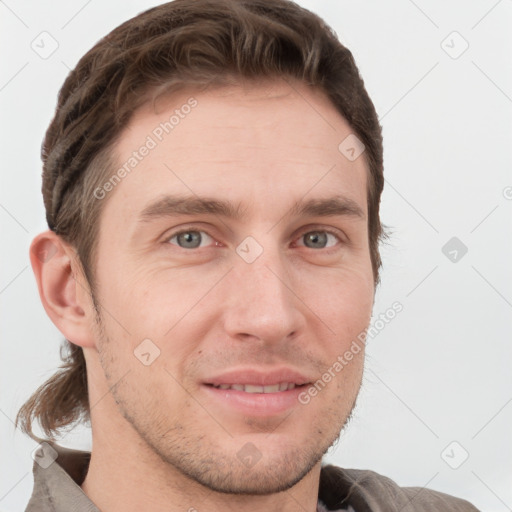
179,44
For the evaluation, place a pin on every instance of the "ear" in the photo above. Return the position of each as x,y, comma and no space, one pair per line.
63,289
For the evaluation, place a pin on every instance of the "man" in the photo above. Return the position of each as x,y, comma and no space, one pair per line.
212,180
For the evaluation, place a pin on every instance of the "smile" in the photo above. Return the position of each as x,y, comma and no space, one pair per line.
251,388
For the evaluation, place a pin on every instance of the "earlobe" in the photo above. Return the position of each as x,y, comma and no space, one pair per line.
64,292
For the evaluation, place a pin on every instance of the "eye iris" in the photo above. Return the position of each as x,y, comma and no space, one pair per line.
189,239
316,237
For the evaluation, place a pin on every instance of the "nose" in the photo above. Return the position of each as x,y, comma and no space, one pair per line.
261,302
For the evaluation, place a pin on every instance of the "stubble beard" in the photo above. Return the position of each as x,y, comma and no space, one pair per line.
201,459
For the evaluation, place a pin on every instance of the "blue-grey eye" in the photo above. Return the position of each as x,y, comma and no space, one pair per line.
189,239
318,239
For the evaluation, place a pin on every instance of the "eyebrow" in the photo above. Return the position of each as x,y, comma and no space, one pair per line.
171,205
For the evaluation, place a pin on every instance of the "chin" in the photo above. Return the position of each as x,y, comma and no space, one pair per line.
262,477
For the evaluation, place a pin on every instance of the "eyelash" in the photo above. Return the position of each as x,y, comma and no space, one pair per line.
191,229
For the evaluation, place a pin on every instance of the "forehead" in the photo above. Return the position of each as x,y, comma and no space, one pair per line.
261,144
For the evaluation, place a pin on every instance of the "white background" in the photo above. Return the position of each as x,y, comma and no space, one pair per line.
440,371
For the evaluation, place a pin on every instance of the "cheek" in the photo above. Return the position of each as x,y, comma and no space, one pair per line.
344,307
133,303
342,299
147,320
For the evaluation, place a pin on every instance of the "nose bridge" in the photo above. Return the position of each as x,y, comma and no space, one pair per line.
260,301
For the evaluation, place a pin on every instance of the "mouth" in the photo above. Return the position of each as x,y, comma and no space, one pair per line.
253,388
257,393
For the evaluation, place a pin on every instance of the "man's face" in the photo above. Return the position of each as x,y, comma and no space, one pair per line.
262,293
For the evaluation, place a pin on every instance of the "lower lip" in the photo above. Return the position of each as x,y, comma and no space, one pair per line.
257,404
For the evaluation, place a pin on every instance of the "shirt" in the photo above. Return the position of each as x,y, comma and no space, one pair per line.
59,472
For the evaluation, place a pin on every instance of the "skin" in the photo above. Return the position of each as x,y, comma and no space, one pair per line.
160,442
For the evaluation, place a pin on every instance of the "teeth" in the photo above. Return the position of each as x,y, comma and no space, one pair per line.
250,388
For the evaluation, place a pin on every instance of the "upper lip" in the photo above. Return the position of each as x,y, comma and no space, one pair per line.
259,377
